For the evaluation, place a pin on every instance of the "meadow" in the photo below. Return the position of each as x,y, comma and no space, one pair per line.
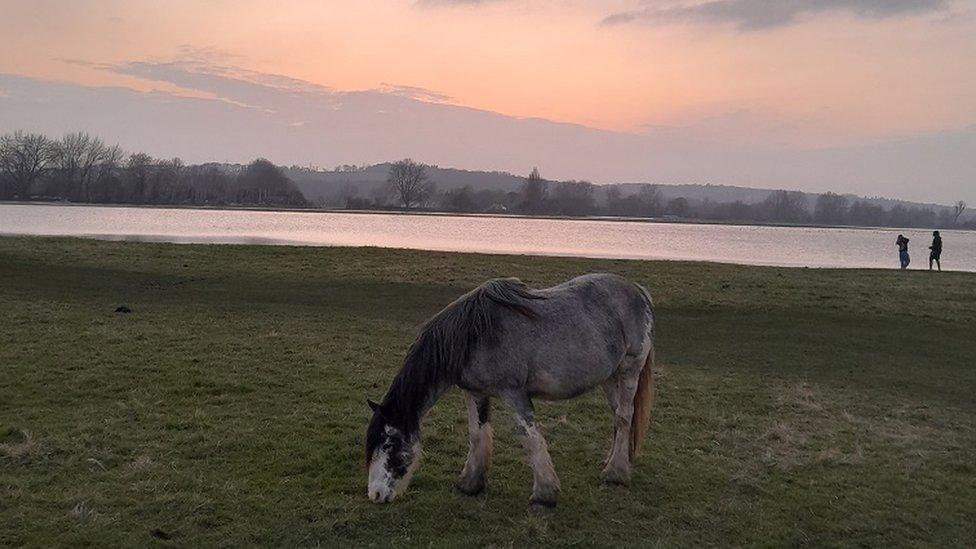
794,406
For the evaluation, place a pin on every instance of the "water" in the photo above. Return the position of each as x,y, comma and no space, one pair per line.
781,246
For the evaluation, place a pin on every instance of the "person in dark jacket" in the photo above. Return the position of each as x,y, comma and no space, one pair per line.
902,244
936,251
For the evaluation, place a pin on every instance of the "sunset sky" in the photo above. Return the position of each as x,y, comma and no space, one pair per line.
760,91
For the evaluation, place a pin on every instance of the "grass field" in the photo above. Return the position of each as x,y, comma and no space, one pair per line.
794,406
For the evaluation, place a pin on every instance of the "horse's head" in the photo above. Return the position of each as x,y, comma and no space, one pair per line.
392,455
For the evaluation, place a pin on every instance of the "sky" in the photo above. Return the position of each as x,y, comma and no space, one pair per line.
875,97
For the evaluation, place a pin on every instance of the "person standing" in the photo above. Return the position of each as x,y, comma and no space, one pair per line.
936,253
902,244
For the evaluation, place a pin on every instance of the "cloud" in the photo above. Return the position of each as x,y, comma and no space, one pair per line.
209,72
84,63
302,124
762,14
414,92
453,2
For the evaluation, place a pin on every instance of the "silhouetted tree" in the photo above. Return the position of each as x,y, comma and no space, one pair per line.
24,158
534,193
408,180
76,158
261,182
82,167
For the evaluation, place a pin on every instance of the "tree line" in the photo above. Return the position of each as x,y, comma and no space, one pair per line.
410,188
80,167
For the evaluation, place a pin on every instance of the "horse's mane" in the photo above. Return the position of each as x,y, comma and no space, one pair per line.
446,341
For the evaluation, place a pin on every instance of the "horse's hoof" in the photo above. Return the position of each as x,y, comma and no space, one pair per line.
614,477
538,504
544,497
470,488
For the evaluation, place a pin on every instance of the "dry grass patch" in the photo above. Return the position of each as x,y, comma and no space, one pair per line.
809,427
84,513
19,446
137,466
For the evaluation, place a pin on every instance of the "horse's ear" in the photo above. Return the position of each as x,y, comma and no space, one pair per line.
372,405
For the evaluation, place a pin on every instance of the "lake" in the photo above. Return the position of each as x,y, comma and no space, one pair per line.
745,244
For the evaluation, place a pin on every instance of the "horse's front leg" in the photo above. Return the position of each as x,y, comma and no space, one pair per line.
545,483
475,473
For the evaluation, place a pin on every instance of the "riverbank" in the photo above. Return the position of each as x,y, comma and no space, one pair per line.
665,219
795,406
749,245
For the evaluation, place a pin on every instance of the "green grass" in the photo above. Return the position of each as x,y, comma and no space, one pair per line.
794,406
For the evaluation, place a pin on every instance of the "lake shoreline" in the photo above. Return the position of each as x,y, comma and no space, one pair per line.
476,215
597,238
261,243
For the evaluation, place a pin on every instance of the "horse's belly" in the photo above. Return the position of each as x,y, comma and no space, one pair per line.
568,381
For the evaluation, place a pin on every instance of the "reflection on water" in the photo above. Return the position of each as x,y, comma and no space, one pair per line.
182,239
785,246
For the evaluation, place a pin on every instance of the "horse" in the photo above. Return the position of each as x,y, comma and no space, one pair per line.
507,341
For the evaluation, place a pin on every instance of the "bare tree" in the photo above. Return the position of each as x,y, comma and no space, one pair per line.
105,173
24,157
957,211
408,180
79,158
167,186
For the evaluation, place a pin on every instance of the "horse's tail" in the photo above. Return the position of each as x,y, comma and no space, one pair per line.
644,397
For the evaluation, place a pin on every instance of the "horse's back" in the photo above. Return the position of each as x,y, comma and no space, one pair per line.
602,300
579,333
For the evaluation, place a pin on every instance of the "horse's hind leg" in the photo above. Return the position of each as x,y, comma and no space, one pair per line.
545,483
624,387
475,472
610,390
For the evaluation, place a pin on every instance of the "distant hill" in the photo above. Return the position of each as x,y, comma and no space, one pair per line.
330,188
751,195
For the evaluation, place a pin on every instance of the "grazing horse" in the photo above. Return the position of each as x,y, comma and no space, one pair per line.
504,340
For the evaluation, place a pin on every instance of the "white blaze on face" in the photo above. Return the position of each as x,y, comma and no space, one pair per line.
380,487
383,486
